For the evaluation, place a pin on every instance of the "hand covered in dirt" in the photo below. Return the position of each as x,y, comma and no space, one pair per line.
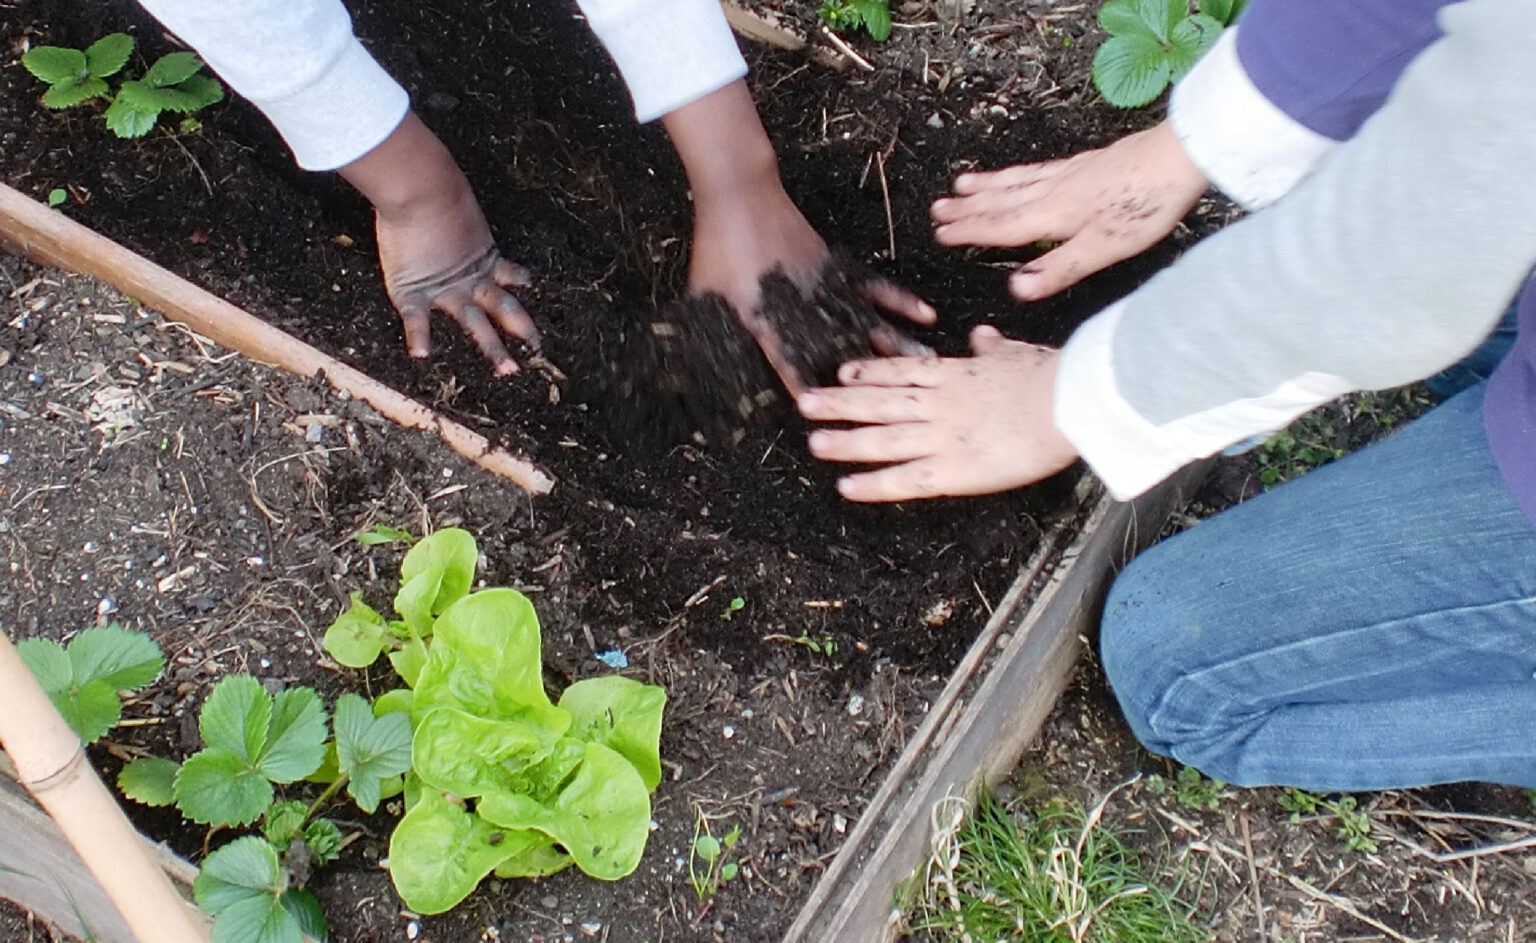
745,226
943,426
435,247
1102,206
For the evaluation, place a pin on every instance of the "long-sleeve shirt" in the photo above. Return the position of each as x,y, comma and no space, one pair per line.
300,63
1400,239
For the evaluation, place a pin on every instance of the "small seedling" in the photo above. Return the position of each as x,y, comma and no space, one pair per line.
734,606
711,851
57,197
1299,803
1190,789
175,83
873,15
1152,43
84,679
1292,452
384,534
1354,825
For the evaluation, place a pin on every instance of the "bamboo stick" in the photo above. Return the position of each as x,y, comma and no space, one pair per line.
52,765
52,238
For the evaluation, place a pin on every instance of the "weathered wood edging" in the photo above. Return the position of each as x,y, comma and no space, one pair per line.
50,237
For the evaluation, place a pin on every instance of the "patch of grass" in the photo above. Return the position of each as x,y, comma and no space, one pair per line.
1058,876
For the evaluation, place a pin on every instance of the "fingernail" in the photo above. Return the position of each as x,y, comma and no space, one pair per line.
1024,284
848,373
927,309
418,353
847,487
817,441
506,368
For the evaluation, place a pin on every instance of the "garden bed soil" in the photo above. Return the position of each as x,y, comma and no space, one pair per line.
217,520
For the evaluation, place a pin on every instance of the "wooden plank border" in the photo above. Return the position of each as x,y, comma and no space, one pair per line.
978,734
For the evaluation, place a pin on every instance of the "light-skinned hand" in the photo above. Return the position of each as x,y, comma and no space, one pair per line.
1101,206
943,426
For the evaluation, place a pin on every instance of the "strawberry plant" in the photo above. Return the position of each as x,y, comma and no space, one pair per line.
173,83
873,15
1152,43
84,679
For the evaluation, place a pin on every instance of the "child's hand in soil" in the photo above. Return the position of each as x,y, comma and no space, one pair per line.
745,225
1102,206
435,248
943,426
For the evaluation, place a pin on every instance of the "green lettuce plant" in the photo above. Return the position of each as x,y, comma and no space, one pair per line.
1152,43
175,83
501,779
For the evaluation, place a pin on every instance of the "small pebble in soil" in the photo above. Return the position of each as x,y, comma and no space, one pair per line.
106,606
549,902
591,928
412,930
855,704
729,731
36,378
5,458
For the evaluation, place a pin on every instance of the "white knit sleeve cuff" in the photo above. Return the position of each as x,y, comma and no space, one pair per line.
1245,145
1129,452
342,114
670,52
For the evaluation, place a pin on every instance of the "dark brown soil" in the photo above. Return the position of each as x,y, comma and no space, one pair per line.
218,529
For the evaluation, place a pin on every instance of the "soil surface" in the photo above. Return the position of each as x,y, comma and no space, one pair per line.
155,479
218,513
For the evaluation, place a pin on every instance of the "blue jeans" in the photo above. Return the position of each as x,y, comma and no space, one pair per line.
1370,625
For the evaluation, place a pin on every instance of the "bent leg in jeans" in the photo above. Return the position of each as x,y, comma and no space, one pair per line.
1370,625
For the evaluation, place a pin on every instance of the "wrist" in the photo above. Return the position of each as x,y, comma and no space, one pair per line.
723,147
409,172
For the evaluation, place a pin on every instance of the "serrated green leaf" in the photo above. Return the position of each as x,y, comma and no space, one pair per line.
370,749
295,739
245,868
215,787
48,662
622,714
451,548
122,658
1155,18
1222,11
70,94
150,780
126,121
108,54
235,717
194,94
283,822
56,64
1192,37
257,920
324,840
1130,71
171,69
91,709
306,913
358,636
876,15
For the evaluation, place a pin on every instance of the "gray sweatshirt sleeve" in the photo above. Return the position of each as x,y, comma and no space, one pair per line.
1390,261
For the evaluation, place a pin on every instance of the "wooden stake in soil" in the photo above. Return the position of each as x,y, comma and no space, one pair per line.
53,767
52,238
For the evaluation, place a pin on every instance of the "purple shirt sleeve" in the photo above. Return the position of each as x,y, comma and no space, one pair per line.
1329,64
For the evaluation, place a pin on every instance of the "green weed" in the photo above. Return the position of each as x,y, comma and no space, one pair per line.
1058,876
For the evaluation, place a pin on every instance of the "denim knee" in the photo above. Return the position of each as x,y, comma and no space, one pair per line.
1151,642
